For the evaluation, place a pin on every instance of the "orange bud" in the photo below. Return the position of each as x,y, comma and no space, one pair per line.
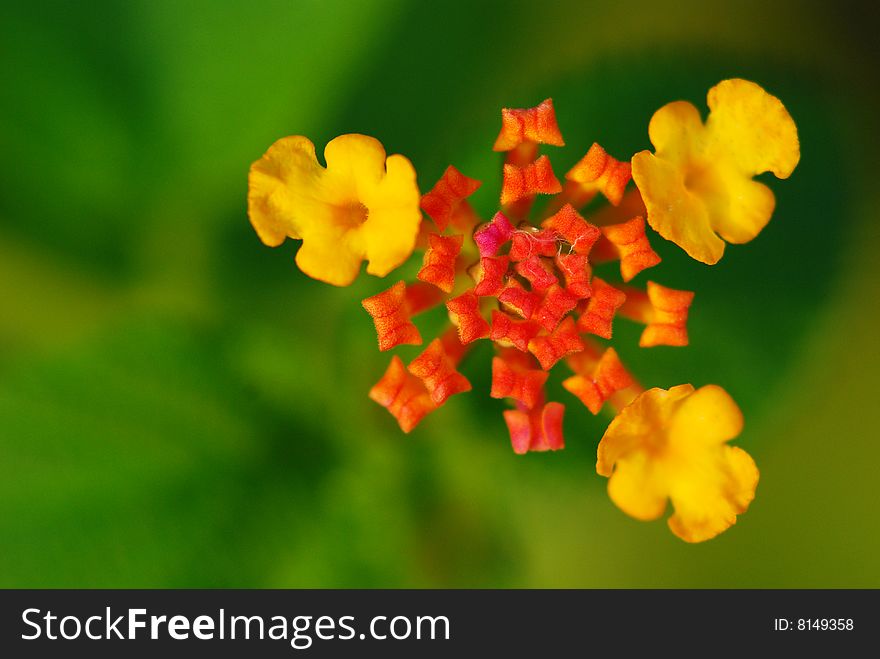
536,272
511,381
443,201
569,224
492,235
601,307
599,171
537,430
577,272
607,377
563,341
438,266
632,246
403,395
537,124
507,331
668,324
491,273
556,303
526,243
465,313
516,297
522,182
438,373
391,316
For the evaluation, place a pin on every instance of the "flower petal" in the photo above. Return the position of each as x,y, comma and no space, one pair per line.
708,416
753,127
673,211
326,254
390,230
741,209
707,503
638,487
641,418
677,133
271,180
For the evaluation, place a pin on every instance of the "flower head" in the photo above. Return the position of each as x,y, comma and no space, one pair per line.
673,445
361,206
524,281
699,181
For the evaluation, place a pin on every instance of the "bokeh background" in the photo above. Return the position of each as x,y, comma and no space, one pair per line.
181,407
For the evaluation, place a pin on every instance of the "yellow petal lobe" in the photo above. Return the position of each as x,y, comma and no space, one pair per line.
752,127
675,212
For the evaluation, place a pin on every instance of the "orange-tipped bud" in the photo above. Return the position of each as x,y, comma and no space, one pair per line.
632,246
537,124
569,224
599,171
668,324
607,377
492,235
448,194
516,297
510,332
556,303
577,272
438,266
564,340
536,272
391,316
537,430
490,275
526,386
465,313
601,307
523,182
403,395
437,372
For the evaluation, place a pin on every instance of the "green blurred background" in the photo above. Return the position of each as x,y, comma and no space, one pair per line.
181,407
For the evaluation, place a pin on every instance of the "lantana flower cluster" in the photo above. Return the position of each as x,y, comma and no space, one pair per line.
524,280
